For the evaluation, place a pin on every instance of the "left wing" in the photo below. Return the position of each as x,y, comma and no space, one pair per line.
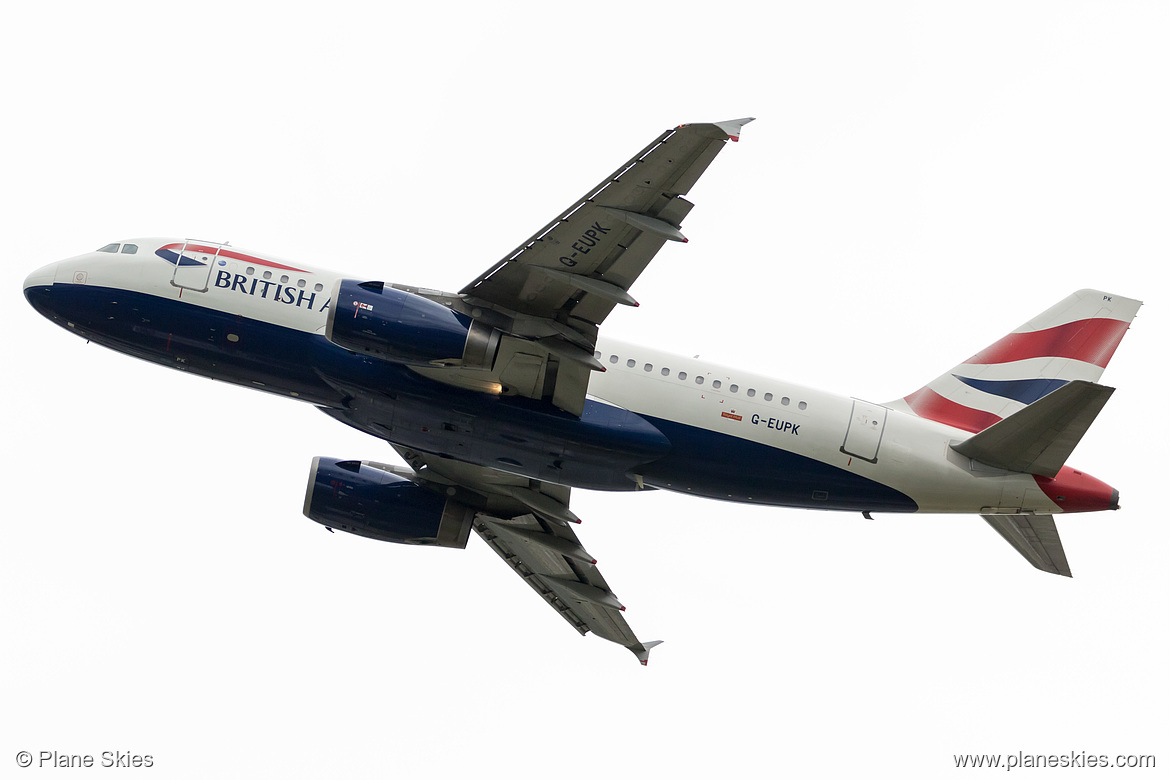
527,523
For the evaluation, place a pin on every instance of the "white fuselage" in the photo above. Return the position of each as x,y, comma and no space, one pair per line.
874,442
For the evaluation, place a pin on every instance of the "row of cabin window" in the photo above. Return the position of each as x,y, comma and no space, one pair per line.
130,249
716,384
283,279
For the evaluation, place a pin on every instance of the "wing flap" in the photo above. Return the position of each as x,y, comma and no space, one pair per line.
1035,537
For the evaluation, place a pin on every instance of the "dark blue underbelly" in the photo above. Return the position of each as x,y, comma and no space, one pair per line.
599,450
715,465
603,449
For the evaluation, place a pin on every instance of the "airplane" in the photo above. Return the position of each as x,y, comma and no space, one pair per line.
503,397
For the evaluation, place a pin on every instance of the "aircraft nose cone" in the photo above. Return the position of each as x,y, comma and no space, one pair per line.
41,277
37,287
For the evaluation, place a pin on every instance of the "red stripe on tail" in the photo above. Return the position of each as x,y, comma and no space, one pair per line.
1090,341
932,406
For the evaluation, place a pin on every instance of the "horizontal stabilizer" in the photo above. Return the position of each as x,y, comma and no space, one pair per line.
1039,438
1034,537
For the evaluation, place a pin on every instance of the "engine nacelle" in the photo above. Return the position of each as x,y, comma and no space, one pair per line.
395,325
364,499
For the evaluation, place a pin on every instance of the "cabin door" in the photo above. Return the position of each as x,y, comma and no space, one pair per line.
193,269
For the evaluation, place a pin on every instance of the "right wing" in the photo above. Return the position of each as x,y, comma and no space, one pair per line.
527,523
579,266
548,296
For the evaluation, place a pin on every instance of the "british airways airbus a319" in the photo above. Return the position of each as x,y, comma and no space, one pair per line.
503,397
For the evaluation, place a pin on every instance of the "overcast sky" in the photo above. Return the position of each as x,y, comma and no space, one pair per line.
922,178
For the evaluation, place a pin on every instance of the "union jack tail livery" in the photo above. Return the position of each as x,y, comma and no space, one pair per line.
1073,340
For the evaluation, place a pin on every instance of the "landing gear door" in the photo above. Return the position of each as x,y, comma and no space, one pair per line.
864,435
193,268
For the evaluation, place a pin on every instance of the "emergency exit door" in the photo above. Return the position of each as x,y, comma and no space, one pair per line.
864,435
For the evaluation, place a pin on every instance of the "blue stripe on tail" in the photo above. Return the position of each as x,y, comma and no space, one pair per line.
1025,391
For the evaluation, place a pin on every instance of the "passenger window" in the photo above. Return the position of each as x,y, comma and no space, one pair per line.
319,288
767,396
785,400
613,358
267,274
648,367
682,375
716,384
130,249
595,354
666,372
751,392
802,406
249,270
284,279
734,388
111,248
698,380
631,363
300,282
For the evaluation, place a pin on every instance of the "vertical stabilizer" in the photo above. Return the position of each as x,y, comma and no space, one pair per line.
1073,340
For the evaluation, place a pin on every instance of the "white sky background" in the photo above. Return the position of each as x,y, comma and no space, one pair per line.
922,178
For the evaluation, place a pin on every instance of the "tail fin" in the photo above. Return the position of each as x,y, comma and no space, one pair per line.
1073,340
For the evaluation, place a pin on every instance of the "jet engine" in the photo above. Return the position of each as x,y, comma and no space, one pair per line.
402,327
370,499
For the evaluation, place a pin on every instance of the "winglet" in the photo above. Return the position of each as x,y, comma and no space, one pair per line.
643,650
733,127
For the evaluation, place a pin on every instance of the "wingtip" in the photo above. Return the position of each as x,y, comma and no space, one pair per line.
643,650
734,127
731,128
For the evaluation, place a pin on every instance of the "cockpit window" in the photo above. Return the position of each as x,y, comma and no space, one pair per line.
111,248
129,249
